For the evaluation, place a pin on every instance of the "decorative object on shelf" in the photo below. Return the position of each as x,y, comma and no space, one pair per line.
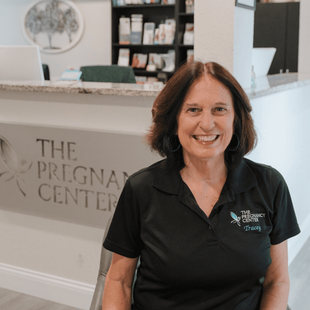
55,26
189,5
124,30
246,4
188,38
123,57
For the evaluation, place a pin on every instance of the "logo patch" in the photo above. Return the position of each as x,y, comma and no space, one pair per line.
246,218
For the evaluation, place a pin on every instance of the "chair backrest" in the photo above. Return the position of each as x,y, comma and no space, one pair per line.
109,74
105,262
46,72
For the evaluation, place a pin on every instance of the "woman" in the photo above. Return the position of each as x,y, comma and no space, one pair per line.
209,226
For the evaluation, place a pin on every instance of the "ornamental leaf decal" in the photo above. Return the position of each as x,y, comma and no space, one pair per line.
15,167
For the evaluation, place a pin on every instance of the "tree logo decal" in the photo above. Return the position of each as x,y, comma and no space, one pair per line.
15,167
54,25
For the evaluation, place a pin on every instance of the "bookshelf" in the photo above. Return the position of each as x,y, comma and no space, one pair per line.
153,13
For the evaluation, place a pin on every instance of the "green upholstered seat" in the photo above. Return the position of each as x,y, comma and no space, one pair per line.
110,74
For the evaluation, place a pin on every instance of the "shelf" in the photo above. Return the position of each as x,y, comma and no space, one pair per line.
186,46
144,45
142,6
187,14
143,72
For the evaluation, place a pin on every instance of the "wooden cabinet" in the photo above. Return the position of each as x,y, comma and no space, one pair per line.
153,13
277,25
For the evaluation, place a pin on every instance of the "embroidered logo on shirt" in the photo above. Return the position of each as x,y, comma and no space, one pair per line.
248,217
236,219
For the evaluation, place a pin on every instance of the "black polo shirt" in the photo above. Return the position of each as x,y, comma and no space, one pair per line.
189,260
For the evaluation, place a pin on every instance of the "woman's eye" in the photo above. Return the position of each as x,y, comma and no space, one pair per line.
220,109
193,110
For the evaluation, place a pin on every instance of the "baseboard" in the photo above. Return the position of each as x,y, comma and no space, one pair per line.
57,289
295,244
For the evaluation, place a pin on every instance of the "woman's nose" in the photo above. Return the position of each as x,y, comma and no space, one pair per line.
206,121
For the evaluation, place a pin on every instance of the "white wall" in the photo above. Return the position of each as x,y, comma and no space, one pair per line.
282,125
214,31
304,42
243,45
224,34
93,49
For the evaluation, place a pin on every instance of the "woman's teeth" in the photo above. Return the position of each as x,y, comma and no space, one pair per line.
206,138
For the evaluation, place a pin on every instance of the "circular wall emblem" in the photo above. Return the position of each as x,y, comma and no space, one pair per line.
54,25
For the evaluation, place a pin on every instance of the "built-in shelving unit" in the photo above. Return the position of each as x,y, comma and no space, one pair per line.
153,13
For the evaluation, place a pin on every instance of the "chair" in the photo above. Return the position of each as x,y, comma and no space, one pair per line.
46,72
105,262
110,74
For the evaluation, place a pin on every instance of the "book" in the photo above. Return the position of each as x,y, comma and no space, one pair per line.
141,79
170,31
123,57
168,2
136,28
162,34
139,60
156,60
124,30
188,38
156,36
148,33
189,6
151,1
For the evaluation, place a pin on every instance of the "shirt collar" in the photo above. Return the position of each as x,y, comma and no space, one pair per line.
240,179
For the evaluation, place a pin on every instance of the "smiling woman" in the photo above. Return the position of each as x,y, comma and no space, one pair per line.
210,227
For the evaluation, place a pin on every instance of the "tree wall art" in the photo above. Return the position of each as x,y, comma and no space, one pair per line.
54,25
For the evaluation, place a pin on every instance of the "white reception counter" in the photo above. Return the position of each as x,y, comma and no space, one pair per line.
66,151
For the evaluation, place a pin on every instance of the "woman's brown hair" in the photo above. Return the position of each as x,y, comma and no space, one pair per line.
162,134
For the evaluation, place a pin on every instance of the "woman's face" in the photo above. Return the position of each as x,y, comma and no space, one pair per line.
205,120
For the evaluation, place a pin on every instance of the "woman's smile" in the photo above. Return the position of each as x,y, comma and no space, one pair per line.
206,138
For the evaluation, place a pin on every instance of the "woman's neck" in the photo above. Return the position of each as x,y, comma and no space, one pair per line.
211,171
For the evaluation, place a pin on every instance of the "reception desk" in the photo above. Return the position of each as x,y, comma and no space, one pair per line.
68,147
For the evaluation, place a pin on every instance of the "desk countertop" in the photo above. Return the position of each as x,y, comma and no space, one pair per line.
264,86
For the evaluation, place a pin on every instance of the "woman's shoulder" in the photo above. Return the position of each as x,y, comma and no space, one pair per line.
264,171
146,175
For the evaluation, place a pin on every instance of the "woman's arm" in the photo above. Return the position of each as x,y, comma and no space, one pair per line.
117,288
277,284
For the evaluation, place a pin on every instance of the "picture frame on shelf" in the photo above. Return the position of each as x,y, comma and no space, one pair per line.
246,4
